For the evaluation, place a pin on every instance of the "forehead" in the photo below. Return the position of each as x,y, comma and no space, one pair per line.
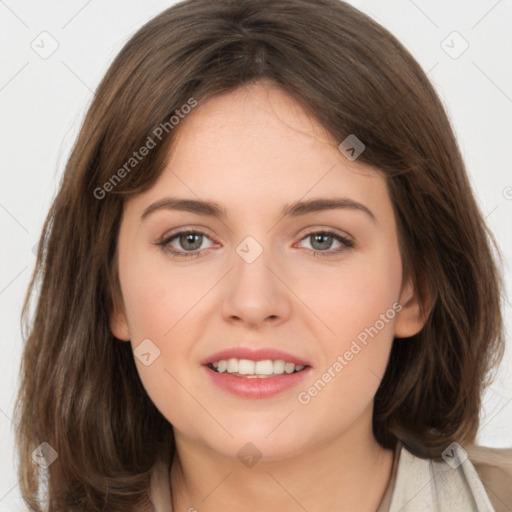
256,146
256,117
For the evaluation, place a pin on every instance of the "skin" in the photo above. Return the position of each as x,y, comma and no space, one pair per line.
252,151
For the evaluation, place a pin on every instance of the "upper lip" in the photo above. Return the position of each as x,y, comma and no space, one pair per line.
259,354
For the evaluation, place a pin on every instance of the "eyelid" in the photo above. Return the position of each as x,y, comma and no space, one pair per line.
318,228
314,228
201,230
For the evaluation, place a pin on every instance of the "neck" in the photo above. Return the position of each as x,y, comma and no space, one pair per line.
349,472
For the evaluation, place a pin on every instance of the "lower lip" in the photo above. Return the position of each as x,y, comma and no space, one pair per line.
256,387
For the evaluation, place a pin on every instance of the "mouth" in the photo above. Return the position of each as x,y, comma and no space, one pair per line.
256,373
250,369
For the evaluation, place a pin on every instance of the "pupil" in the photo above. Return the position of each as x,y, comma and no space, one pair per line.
328,245
189,238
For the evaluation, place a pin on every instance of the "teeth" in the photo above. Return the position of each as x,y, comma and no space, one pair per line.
246,367
265,368
252,369
279,366
289,367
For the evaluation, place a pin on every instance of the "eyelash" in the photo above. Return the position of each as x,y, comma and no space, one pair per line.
316,253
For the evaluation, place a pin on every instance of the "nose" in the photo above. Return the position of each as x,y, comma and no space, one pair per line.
256,289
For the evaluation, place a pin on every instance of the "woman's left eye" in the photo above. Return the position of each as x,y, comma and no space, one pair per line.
323,240
191,242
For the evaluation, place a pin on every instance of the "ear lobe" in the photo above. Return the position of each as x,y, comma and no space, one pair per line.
410,319
119,325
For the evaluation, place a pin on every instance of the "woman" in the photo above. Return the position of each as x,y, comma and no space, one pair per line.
324,342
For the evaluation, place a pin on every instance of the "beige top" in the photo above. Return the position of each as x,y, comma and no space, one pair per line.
480,481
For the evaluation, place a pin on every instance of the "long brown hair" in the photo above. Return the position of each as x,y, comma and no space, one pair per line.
80,391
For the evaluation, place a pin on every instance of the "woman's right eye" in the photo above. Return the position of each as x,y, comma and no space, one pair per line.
188,240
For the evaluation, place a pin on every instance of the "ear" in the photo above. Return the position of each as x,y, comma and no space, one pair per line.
410,320
118,322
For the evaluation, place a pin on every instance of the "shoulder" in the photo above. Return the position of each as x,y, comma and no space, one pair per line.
472,478
494,468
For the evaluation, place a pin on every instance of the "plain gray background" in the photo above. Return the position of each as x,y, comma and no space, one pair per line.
43,99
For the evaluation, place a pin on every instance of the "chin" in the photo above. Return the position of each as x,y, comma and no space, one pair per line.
257,443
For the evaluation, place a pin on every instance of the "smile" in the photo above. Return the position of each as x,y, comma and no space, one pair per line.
255,369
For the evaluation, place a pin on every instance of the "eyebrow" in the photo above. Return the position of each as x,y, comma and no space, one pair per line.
295,209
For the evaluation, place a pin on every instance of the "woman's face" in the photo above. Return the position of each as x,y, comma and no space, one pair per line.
260,279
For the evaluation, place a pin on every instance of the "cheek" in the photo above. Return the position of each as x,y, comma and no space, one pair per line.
162,305
359,296
360,309
156,296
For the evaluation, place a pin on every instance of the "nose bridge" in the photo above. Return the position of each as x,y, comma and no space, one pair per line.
252,262
250,250
255,293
